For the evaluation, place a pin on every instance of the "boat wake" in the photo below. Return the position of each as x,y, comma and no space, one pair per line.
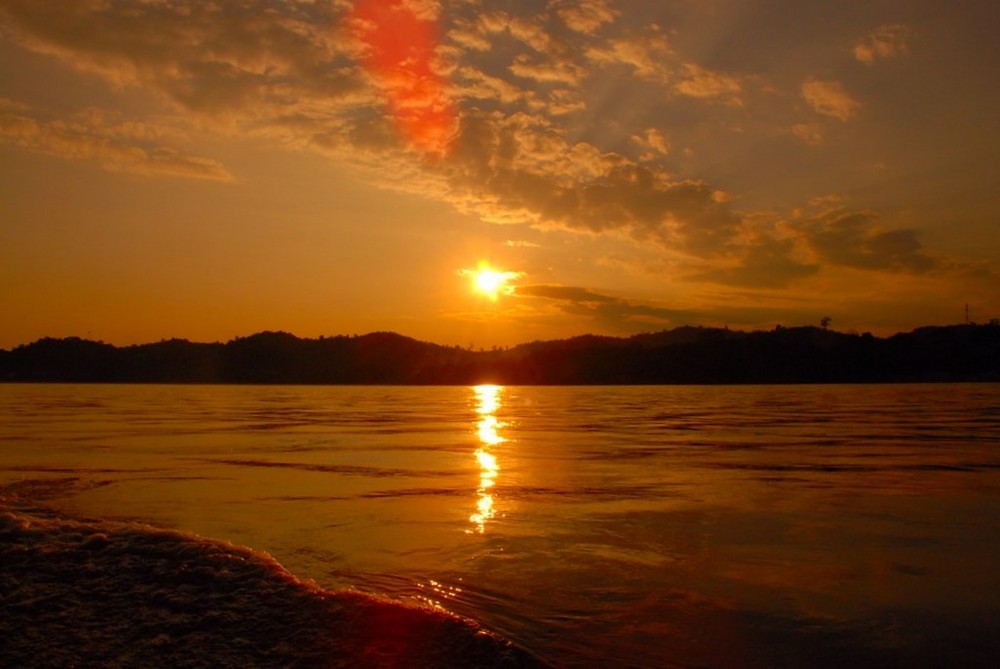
78,593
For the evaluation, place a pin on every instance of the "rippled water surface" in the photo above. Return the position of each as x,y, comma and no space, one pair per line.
594,526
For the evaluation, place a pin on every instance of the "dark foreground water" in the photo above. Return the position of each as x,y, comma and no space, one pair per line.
823,526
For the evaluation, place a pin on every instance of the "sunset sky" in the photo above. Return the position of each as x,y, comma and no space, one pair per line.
207,170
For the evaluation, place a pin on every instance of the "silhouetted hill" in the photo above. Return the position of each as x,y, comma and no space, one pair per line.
682,355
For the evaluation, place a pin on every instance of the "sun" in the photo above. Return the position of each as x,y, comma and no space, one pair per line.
489,281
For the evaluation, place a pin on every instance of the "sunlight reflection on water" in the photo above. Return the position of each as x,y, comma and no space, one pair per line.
598,526
488,427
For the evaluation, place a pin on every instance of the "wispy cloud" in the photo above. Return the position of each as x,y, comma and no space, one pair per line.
547,70
765,263
830,98
563,293
121,146
522,168
649,56
653,144
611,312
699,82
855,239
259,57
585,16
810,133
885,42
625,316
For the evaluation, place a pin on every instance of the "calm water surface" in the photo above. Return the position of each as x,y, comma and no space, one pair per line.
595,526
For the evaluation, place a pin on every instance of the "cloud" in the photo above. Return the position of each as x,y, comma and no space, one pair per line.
810,133
520,168
467,36
611,312
548,59
471,83
547,70
887,41
701,83
830,98
425,10
565,293
653,144
479,31
293,72
288,71
207,57
631,316
648,56
563,101
651,57
765,263
854,239
13,105
534,35
585,16
118,146
742,308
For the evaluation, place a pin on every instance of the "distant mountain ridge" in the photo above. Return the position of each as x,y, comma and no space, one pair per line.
685,355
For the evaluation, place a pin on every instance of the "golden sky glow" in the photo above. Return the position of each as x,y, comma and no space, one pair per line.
209,170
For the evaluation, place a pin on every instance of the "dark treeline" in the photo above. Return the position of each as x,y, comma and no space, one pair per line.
683,355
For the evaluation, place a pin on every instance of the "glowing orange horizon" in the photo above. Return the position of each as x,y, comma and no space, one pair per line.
400,46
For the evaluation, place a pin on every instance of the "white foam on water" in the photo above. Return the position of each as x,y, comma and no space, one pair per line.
79,593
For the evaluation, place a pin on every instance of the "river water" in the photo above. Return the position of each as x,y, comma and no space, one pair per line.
667,526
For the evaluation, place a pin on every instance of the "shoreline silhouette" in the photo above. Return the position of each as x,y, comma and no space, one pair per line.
684,355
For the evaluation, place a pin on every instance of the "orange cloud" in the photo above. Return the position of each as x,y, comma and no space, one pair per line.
132,147
830,98
586,16
705,84
653,144
645,55
855,239
885,42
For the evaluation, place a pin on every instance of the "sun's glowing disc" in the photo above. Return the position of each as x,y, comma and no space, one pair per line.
491,282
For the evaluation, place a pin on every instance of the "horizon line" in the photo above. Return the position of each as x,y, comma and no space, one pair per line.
777,327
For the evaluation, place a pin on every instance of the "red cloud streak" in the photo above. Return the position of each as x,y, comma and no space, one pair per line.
399,52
